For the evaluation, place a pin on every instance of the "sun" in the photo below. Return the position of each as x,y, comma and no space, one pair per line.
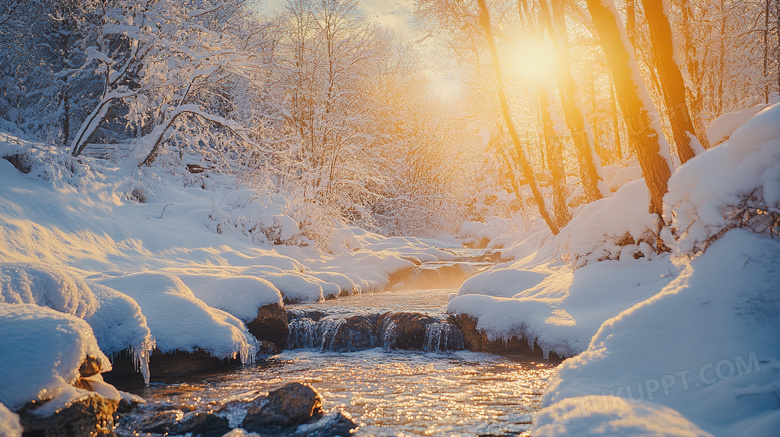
530,62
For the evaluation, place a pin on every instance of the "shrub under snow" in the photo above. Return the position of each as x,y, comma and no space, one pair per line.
617,227
734,185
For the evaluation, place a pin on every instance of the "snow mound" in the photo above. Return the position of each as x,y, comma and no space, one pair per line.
240,296
564,310
736,184
46,285
705,346
119,325
618,227
501,282
722,127
180,321
48,348
612,416
295,287
9,423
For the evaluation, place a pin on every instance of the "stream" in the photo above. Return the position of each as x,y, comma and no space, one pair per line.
439,390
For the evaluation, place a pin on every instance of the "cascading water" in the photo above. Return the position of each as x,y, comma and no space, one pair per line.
340,332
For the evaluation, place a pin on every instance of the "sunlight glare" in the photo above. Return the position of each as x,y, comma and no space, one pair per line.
532,62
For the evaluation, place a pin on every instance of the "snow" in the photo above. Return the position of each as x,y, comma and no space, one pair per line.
705,194
706,346
41,284
181,322
607,415
722,127
119,325
617,227
48,348
241,296
9,423
553,307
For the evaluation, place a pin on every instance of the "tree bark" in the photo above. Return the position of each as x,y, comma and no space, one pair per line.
581,133
638,111
528,171
672,83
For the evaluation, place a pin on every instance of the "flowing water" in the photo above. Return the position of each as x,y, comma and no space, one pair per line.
435,391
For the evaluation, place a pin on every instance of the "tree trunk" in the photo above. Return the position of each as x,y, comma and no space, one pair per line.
638,111
672,83
528,171
615,122
554,159
694,70
581,133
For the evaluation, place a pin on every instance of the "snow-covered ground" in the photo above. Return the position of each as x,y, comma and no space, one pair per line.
684,343
152,259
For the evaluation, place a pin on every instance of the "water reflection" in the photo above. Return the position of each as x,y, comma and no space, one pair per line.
389,393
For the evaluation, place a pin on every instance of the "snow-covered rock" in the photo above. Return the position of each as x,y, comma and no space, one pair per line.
43,350
240,296
119,326
179,321
563,310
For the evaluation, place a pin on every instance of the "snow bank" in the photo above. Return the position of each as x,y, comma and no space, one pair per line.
180,321
563,311
240,296
42,352
119,325
736,184
45,285
706,346
9,423
618,227
612,416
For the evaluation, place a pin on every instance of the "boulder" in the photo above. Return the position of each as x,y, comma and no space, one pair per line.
176,422
271,324
284,408
91,415
335,423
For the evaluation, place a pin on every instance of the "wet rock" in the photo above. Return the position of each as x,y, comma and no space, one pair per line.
271,324
355,333
173,365
477,341
266,348
91,366
176,422
405,330
93,415
289,406
335,423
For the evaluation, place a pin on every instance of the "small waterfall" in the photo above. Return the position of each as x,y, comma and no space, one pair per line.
313,329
